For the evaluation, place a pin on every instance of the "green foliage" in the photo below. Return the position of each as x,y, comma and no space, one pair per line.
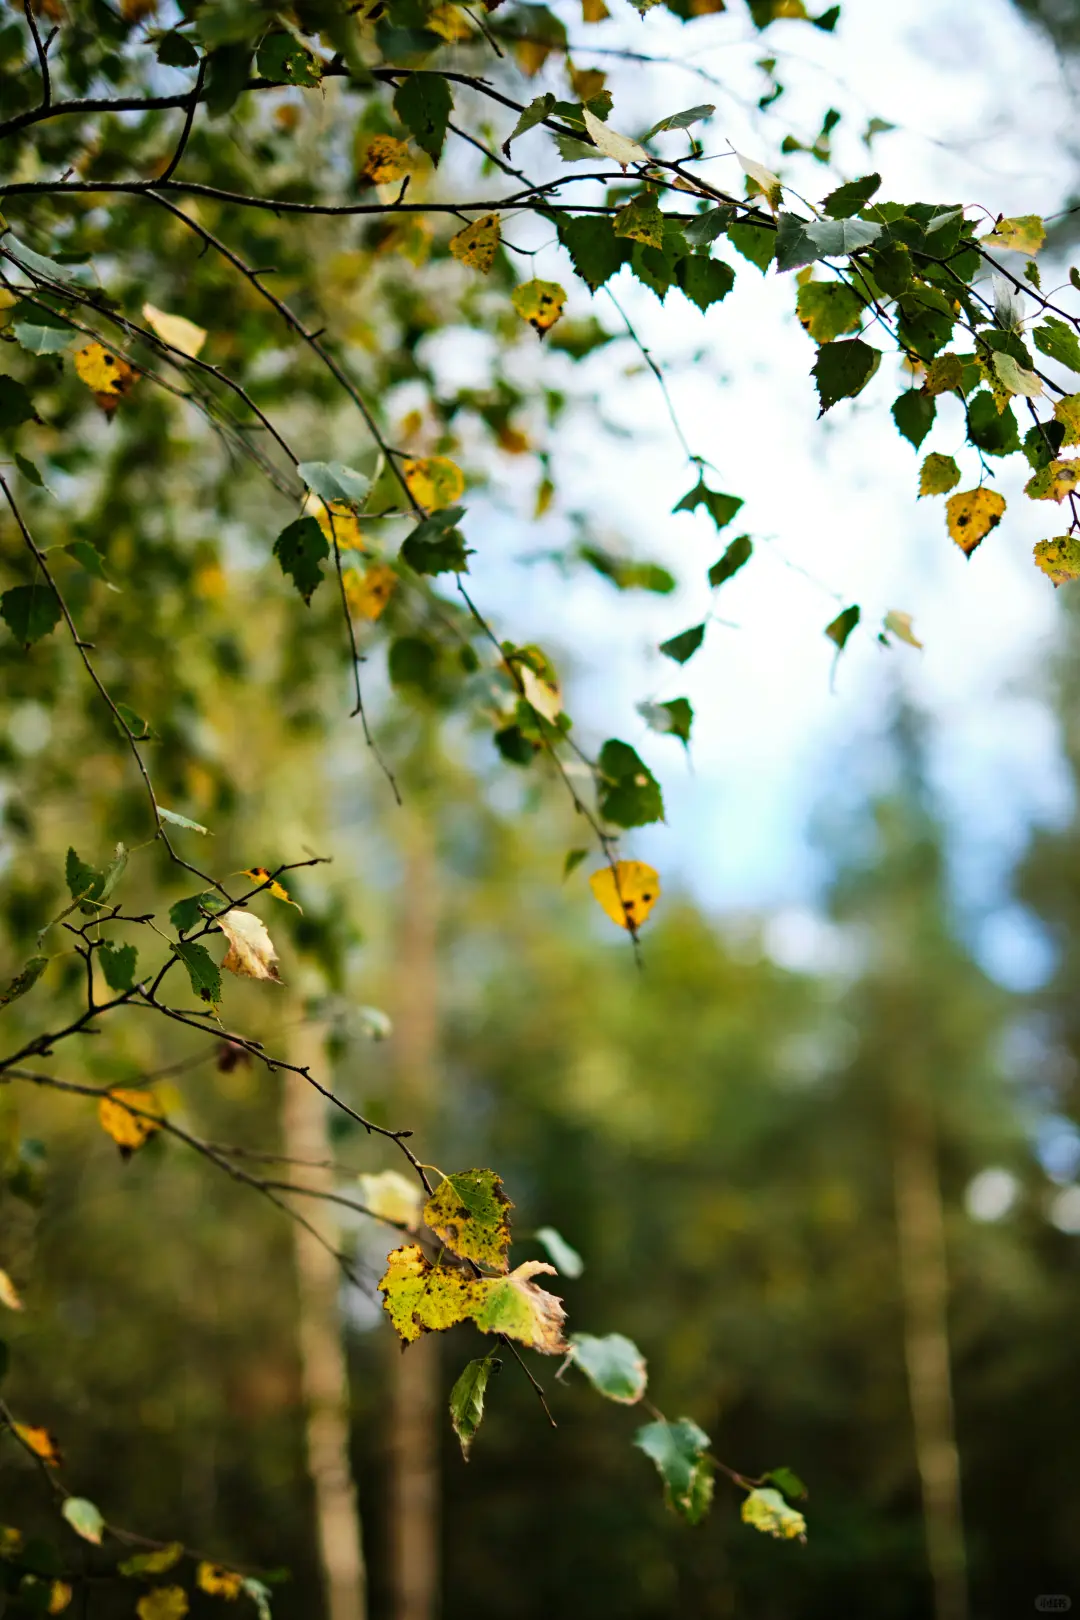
301,549
424,102
436,545
680,1452
843,369
202,970
736,556
628,793
721,508
613,1365
682,647
467,1400
30,612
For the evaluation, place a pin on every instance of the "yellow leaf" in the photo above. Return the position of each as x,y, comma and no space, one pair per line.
1067,412
469,1212
1054,481
768,1512
512,440
1025,234
475,245
449,22
392,1197
1059,558
545,494
938,474
422,1298
627,893
259,874
944,373
9,1294
542,695
251,953
594,11
40,1442
434,482
763,178
175,330
540,303
971,515
59,1597
129,1130
899,624
619,148
531,54
385,159
107,374
585,82
337,521
411,237
155,1562
368,593
218,1581
163,1603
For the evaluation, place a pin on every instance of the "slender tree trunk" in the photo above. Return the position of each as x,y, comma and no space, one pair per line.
415,1385
924,1286
324,1375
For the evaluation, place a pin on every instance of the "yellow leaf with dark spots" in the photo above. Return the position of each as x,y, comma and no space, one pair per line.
106,374
218,1581
1054,481
422,1298
259,874
971,515
130,1118
540,303
337,521
1059,558
386,159
627,892
434,482
469,1212
1067,412
1024,234
475,246
368,593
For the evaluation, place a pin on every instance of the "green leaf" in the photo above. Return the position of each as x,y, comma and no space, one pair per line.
139,728
893,269
574,858
301,549
626,574
721,508
84,1518
284,60
334,481
42,337
679,1452
613,1365
629,794
118,965
914,414
673,718
30,612
755,242
259,1593
800,242
436,545
24,981
594,249
176,51
994,432
467,1400
767,1511
1059,342
827,309
192,912
706,227
411,662
938,474
683,646
424,103
202,970
843,369
535,113
841,627
89,557
563,1256
681,120
29,471
704,281
735,557
85,883
641,220
16,406
182,821
468,1211
153,1563
37,263
1042,443
788,1481
849,198
514,746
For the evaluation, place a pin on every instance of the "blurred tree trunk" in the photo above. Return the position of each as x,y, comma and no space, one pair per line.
924,1286
415,1393
323,1371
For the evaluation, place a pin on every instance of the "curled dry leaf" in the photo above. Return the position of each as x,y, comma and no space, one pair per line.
251,953
620,148
130,1118
259,874
422,1298
218,1581
175,330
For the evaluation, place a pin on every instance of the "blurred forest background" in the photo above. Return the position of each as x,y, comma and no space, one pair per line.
815,1198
